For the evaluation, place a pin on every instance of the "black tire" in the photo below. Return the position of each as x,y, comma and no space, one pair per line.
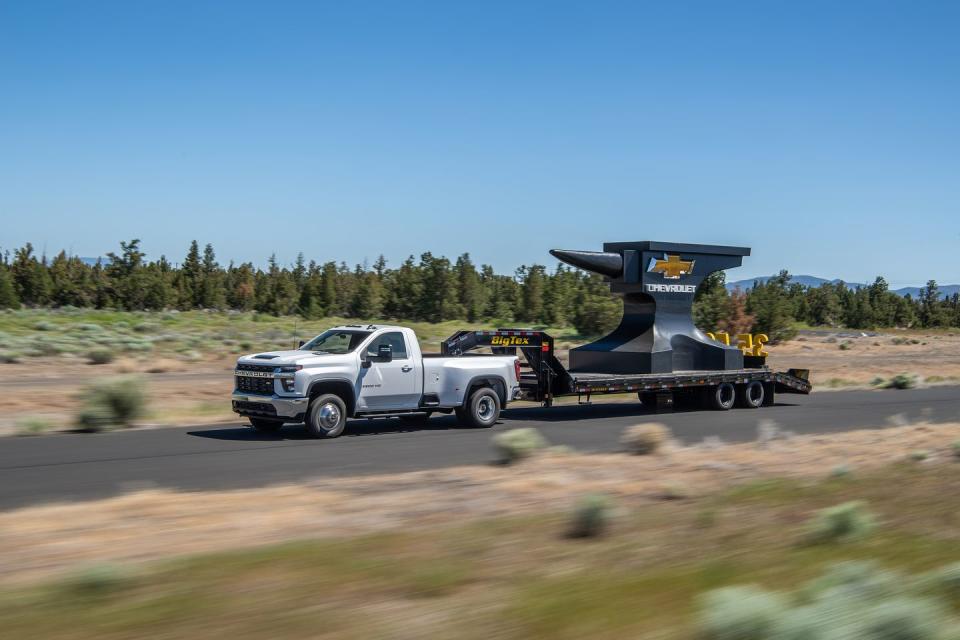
415,418
723,396
327,416
264,425
481,409
751,395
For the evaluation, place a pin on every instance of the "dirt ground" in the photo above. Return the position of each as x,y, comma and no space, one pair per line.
199,392
149,525
934,357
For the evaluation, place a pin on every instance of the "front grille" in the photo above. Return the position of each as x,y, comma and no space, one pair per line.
262,383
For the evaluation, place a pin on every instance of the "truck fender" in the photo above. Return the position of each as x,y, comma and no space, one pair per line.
341,388
497,383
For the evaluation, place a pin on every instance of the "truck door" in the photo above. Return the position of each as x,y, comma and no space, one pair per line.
386,386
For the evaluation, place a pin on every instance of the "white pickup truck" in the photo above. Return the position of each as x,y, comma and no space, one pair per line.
370,371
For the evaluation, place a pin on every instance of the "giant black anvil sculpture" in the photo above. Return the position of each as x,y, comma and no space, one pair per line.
658,281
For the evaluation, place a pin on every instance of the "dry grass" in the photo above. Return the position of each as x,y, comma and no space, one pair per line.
153,524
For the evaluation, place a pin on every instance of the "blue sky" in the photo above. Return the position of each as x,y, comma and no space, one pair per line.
824,135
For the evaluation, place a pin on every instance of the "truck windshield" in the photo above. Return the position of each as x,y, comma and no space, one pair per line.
336,341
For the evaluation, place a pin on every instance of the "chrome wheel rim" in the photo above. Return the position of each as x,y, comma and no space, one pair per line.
485,408
329,416
755,393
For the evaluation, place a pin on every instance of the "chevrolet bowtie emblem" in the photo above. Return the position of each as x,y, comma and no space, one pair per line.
672,267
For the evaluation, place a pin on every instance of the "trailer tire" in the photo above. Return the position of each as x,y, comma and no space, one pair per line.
327,416
481,409
264,425
723,396
751,395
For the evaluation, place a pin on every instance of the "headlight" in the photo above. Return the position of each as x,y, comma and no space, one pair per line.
287,380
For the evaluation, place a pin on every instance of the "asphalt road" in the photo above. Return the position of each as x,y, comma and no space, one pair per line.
83,466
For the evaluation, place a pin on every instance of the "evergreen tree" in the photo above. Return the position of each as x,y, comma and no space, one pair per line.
533,279
8,294
711,303
771,307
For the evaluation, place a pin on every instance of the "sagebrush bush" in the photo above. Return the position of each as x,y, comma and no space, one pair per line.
740,613
112,402
902,381
645,438
100,356
854,600
97,580
956,449
32,426
516,444
591,517
847,521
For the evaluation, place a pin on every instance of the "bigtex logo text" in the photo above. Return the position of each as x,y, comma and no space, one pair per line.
509,341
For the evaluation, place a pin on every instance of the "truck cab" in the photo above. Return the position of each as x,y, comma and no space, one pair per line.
369,371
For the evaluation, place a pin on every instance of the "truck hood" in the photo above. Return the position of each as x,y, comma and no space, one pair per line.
303,358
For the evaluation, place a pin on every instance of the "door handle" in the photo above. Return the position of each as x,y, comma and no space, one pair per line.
406,368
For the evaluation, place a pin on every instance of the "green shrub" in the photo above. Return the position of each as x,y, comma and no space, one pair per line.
944,581
740,613
854,600
956,449
516,444
645,438
902,381
100,356
9,357
878,382
919,455
44,326
97,580
840,471
591,517
112,402
32,426
847,521
846,345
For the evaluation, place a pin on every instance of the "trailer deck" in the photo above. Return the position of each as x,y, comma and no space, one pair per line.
544,377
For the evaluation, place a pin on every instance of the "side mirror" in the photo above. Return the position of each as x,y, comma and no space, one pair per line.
301,344
384,353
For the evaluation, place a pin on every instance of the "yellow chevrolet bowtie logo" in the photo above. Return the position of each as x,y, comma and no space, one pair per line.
672,267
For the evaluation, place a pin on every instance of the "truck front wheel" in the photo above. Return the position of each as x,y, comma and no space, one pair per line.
481,410
327,416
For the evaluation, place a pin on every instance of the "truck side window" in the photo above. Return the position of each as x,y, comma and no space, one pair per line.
396,342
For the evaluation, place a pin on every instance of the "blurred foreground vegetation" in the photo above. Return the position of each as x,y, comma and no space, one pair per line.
652,573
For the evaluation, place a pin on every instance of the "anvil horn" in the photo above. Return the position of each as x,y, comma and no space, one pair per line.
608,264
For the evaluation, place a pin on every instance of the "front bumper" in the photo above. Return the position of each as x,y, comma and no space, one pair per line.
292,408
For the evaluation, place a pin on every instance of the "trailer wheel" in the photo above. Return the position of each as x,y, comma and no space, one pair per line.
327,416
481,410
723,396
751,395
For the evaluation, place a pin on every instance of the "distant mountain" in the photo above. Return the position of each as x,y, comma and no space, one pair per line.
946,290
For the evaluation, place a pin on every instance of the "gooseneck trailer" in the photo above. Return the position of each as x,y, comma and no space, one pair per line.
656,350
543,376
